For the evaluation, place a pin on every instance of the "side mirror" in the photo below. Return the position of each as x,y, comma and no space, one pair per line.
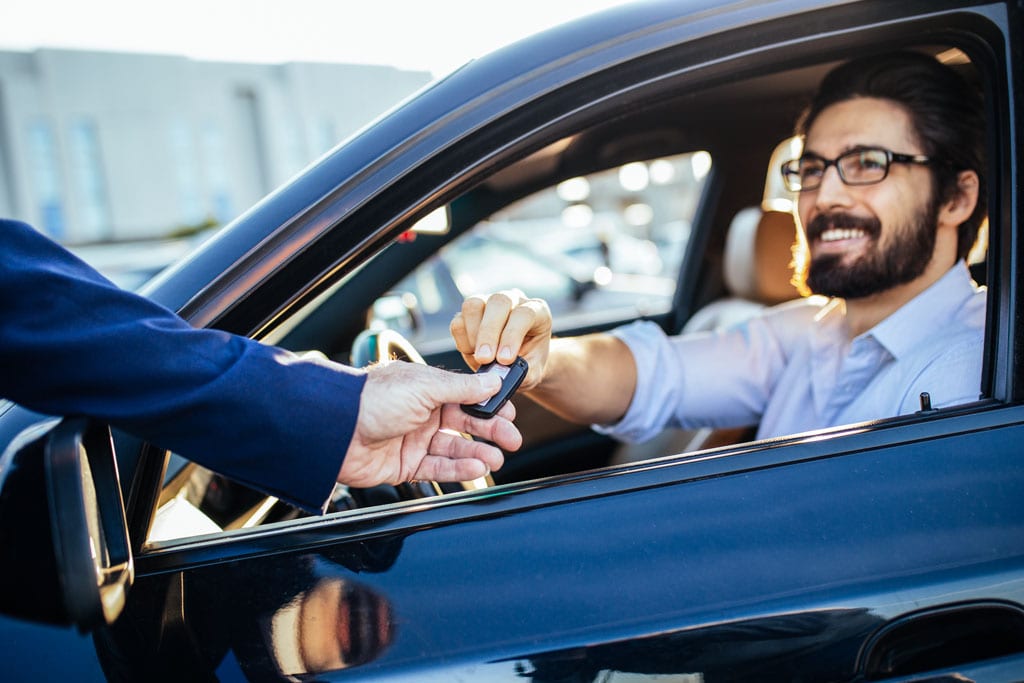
90,536
62,526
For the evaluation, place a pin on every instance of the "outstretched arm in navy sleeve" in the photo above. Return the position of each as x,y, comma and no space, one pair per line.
71,342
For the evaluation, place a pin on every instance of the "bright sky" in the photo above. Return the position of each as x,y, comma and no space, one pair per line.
429,35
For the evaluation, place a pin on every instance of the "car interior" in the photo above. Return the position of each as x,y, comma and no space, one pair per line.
702,240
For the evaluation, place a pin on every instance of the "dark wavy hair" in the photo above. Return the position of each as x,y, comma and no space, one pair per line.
946,112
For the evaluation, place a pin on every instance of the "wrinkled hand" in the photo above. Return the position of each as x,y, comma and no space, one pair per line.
402,433
502,326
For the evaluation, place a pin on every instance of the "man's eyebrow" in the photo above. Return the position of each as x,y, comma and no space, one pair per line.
848,148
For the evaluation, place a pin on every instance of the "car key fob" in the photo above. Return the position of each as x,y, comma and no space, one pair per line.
511,377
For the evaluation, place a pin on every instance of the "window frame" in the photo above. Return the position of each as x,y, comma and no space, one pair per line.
1002,359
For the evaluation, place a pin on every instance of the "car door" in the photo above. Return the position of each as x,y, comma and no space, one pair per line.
825,565
872,551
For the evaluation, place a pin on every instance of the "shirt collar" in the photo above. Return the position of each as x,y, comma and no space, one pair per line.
929,311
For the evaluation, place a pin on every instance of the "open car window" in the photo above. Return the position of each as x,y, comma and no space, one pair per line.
598,248
618,241
601,249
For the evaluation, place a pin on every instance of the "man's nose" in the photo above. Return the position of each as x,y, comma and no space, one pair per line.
833,191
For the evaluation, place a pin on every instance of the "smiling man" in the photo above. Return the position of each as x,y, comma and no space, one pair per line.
891,197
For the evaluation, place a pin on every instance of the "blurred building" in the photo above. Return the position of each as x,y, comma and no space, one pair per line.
99,146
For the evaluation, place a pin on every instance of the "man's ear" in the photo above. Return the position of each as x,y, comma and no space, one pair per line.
959,207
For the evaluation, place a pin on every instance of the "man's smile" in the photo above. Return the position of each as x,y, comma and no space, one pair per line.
840,240
835,234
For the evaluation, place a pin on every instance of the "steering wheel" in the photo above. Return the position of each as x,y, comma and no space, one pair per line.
384,346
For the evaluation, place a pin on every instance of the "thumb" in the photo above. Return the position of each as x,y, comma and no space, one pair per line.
460,387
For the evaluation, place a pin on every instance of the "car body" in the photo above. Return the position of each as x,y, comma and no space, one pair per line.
888,550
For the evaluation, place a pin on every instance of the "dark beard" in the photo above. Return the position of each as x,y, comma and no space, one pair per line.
876,271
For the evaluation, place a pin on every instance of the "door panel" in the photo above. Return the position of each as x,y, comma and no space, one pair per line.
770,562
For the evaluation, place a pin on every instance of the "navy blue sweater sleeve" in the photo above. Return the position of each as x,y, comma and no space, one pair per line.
71,342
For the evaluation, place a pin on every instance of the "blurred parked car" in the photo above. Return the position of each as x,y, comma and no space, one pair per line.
422,304
886,550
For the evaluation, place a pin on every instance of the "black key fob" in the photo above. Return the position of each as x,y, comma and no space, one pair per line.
511,377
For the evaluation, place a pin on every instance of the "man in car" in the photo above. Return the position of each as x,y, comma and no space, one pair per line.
891,197
71,342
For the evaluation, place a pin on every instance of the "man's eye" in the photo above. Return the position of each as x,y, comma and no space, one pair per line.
811,171
871,161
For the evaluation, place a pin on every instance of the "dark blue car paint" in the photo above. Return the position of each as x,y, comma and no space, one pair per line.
657,567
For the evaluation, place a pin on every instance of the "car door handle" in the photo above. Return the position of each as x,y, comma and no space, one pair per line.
981,641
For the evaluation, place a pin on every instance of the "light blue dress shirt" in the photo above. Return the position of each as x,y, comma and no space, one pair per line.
793,369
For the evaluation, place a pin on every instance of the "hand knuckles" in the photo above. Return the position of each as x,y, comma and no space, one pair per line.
538,305
473,307
525,317
504,298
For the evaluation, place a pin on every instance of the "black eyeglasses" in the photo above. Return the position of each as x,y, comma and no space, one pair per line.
861,166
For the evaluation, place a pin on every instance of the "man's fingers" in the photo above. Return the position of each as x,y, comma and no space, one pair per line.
507,411
443,386
471,315
527,322
461,336
440,469
450,455
497,327
499,429
493,318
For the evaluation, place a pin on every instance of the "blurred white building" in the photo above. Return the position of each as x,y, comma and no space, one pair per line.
99,146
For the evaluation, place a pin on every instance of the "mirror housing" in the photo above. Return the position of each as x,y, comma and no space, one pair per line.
90,535
62,526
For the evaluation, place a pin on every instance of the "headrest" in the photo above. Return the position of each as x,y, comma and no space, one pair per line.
776,196
758,254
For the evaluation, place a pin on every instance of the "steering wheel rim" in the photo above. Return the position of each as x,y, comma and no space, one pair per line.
383,346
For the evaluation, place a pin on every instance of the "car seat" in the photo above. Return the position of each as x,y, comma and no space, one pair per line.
757,269
758,255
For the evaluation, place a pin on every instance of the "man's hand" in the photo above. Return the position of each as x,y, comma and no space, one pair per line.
402,432
587,380
502,326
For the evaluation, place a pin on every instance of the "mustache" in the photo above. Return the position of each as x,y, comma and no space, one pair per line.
872,227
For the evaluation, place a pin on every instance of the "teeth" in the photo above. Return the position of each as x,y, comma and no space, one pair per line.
834,234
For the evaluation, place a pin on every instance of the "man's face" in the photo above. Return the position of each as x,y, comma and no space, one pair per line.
867,239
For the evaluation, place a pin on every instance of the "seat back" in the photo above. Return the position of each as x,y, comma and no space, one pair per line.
758,270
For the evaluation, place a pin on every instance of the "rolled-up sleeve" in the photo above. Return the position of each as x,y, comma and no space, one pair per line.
707,379
659,385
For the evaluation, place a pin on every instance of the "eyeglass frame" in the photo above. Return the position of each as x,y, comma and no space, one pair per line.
891,157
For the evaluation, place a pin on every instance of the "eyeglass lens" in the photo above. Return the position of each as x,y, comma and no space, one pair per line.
857,167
